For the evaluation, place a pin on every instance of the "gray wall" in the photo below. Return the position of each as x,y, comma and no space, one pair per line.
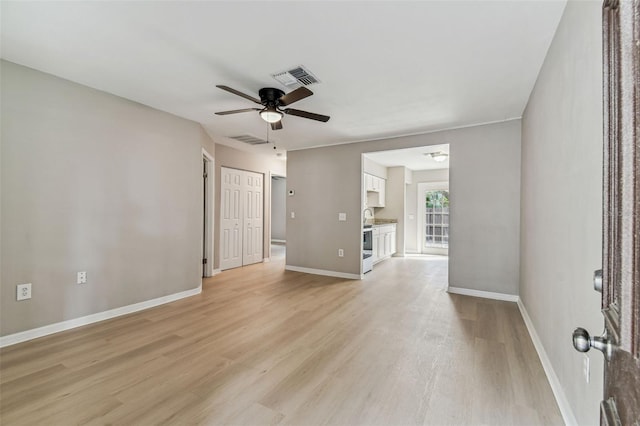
561,201
484,253
278,209
412,237
236,159
484,219
92,182
326,181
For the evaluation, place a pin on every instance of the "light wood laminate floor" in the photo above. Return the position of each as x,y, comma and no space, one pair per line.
265,346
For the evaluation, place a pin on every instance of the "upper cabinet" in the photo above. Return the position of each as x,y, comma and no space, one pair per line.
375,188
373,183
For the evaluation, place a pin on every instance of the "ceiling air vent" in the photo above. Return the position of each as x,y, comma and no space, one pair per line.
251,140
296,76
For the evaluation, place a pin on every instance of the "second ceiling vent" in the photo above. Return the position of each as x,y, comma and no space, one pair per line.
250,139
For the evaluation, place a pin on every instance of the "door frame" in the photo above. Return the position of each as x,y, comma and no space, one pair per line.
272,174
621,213
207,235
422,188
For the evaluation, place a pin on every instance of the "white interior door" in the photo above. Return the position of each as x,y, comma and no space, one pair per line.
230,218
241,218
253,188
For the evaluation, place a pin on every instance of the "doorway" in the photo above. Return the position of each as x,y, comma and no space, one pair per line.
278,209
433,212
207,214
278,216
425,167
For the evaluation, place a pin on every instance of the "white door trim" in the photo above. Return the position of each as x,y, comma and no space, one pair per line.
269,224
208,221
422,188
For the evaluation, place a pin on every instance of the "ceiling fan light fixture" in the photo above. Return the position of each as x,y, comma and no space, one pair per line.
439,156
271,115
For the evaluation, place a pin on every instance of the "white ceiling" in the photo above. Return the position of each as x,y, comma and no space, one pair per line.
411,158
387,68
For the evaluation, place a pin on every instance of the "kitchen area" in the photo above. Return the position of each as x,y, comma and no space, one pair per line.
378,242
378,234
392,205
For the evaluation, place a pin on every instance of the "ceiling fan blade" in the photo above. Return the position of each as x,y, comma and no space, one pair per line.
277,125
235,92
236,111
305,114
295,96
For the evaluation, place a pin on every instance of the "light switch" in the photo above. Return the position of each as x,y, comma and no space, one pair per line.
293,215
342,217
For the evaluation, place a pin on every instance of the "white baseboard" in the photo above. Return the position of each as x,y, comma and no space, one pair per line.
23,336
558,392
266,259
323,272
484,294
214,272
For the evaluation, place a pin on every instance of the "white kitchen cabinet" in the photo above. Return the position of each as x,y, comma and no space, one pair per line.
382,193
384,241
371,183
375,244
368,184
392,250
387,243
375,183
375,188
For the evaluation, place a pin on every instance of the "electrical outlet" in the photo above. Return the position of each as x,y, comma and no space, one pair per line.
586,368
82,277
340,253
342,217
23,291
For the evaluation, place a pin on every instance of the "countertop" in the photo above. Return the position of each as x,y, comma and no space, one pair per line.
378,222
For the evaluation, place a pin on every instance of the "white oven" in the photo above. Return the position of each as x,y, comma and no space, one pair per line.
367,250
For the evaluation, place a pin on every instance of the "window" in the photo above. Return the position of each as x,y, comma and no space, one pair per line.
437,219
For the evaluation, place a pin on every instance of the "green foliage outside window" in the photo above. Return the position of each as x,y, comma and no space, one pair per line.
437,199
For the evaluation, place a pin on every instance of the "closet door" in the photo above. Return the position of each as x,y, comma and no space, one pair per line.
241,218
231,218
253,218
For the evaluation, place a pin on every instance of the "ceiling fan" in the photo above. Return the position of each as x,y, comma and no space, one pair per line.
272,101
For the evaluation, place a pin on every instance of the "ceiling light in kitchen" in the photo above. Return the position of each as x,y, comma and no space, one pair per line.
439,156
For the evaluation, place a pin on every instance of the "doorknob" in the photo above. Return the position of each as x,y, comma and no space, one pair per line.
583,342
597,280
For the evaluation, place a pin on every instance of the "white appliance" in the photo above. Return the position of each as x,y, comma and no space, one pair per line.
367,249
